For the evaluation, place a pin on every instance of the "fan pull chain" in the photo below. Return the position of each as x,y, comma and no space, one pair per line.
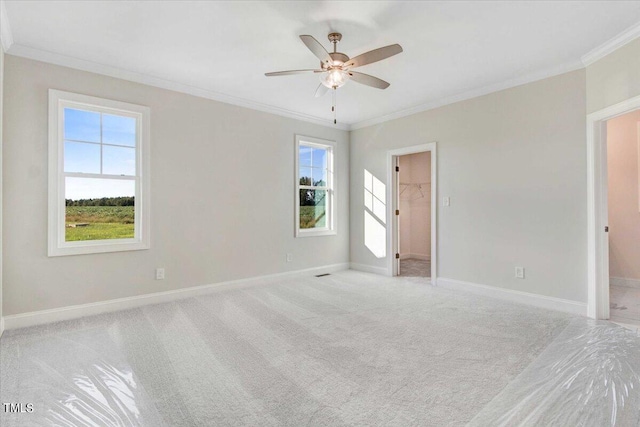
333,106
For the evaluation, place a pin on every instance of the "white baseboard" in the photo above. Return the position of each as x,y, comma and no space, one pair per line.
634,328
1,326
627,283
416,256
369,269
34,318
542,301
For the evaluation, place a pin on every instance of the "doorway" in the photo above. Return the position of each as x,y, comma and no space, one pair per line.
412,235
599,271
623,201
414,219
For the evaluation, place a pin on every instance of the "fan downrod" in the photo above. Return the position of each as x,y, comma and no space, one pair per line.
335,39
335,55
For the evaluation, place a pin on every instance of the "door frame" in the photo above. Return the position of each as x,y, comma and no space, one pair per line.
393,197
597,206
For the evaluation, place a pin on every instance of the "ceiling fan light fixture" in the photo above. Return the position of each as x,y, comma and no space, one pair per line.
334,78
336,67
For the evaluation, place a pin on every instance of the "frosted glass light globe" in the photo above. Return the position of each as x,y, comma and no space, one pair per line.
334,78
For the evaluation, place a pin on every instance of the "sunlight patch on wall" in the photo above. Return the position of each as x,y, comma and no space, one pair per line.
375,215
374,236
374,196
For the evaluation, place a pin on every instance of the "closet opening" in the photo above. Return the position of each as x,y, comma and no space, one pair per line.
413,238
623,217
414,219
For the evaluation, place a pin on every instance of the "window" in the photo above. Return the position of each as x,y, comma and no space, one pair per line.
315,188
98,175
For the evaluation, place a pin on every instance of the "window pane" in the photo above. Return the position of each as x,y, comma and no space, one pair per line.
119,130
319,158
319,177
81,125
81,157
313,209
305,156
118,160
99,209
305,176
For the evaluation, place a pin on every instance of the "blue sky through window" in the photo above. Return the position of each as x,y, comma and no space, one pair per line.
118,130
81,125
118,160
98,143
313,164
97,188
81,157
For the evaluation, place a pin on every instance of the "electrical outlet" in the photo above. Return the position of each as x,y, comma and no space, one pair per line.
519,272
289,257
446,201
159,273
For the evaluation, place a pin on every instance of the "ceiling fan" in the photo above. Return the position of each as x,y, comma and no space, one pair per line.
336,67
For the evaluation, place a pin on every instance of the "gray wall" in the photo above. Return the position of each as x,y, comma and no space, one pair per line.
514,164
222,195
614,78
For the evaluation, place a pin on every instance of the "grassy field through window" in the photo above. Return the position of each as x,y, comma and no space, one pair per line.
312,217
99,222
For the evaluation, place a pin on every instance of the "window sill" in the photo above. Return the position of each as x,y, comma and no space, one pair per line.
313,233
83,248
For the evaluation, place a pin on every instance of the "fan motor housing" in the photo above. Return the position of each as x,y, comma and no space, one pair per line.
336,56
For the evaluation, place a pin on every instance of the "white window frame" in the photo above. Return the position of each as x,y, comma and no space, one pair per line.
330,146
58,101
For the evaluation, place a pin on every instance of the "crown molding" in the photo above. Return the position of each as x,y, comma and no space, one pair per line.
94,67
10,47
611,45
6,37
149,80
473,93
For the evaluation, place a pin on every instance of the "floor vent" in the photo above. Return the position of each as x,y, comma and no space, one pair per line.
322,275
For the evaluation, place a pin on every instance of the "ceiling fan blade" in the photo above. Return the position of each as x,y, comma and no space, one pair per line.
368,80
317,49
322,90
374,56
287,73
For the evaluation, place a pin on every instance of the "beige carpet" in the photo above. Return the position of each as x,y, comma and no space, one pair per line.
349,349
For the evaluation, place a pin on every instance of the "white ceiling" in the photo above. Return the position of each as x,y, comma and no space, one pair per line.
220,49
